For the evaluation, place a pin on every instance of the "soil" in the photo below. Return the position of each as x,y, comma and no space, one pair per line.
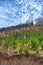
21,59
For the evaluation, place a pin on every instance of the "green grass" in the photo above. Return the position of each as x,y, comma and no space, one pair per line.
31,45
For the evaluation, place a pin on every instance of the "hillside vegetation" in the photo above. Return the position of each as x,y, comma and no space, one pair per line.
22,39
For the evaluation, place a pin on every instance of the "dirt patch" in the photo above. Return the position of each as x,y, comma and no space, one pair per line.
20,59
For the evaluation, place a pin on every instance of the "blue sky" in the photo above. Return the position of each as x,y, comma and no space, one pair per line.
14,12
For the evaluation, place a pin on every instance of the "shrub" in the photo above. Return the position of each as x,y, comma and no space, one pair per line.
42,45
35,44
40,38
8,40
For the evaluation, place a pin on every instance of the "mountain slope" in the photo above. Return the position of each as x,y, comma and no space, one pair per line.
26,39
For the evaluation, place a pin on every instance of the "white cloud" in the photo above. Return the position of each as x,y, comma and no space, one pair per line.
8,13
39,7
3,23
24,18
20,1
3,16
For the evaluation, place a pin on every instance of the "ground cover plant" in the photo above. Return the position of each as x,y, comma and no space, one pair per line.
23,42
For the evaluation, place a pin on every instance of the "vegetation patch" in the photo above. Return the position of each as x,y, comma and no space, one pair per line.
22,42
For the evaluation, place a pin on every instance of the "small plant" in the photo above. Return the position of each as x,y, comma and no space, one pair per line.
42,45
40,38
35,44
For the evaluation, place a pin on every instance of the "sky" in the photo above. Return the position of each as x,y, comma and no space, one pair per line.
15,12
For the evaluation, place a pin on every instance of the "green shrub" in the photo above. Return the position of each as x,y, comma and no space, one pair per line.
35,44
40,38
42,45
8,40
